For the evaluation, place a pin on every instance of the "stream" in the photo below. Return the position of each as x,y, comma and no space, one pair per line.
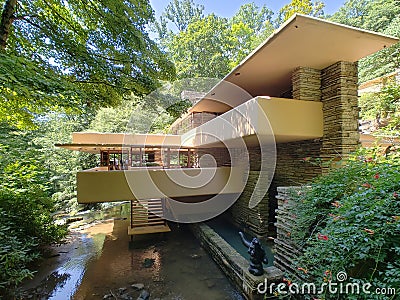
100,262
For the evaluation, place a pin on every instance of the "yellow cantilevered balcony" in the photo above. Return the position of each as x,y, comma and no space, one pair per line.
144,183
262,119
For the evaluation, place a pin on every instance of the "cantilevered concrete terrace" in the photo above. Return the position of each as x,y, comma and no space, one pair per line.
162,154
261,101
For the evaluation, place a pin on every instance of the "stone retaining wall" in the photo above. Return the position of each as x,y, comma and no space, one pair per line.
233,264
286,248
255,219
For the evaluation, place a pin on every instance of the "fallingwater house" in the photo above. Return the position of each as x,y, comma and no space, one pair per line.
292,98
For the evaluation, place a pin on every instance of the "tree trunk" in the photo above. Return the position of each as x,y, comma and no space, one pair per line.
7,17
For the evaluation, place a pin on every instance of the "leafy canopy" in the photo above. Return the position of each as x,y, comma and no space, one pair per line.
376,15
25,206
306,7
210,46
75,55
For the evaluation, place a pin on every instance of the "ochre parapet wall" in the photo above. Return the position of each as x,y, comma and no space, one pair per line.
148,183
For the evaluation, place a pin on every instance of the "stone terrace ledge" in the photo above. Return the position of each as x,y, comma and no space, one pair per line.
233,264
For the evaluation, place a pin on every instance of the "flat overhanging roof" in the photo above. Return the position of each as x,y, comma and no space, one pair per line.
94,142
302,41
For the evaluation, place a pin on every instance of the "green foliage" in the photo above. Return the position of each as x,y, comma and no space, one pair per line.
390,98
369,106
352,13
182,13
350,221
376,15
25,206
250,26
253,16
200,50
27,87
75,56
210,46
115,119
384,108
390,104
305,7
15,255
151,114
62,164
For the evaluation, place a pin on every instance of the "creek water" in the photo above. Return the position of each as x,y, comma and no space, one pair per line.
100,261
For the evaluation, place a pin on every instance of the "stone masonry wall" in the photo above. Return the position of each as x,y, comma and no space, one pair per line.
220,155
286,249
306,84
255,219
297,162
191,121
340,108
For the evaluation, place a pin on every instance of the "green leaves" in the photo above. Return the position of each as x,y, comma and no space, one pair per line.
200,50
182,13
306,7
380,16
362,225
75,56
25,206
383,108
210,46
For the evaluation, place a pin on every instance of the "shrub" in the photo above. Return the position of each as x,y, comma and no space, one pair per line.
26,223
349,221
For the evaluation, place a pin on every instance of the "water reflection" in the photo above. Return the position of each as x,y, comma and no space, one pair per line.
103,261
74,269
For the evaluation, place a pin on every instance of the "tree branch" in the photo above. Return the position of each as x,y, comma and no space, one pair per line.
23,17
101,82
33,24
72,26
111,59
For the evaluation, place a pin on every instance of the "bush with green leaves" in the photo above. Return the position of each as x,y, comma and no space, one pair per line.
349,221
383,108
26,222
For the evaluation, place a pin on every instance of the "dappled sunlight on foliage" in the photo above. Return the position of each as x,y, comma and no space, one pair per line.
75,56
349,220
384,109
379,16
26,222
